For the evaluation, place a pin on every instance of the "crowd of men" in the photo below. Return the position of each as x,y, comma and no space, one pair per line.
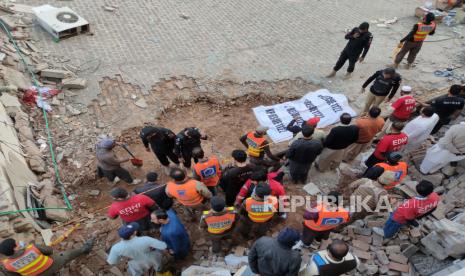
239,201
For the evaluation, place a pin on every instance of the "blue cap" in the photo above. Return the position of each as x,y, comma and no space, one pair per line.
288,237
128,230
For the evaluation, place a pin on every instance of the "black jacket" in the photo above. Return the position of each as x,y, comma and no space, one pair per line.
355,46
341,137
304,151
164,141
268,257
382,86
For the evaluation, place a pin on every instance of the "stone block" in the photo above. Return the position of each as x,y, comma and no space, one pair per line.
74,83
372,269
415,232
392,249
377,240
366,239
54,73
410,250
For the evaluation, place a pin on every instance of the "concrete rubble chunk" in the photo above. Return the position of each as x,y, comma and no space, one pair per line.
311,189
14,77
115,271
54,73
431,243
377,240
141,103
74,83
362,231
9,100
410,250
392,249
85,271
372,269
72,110
381,256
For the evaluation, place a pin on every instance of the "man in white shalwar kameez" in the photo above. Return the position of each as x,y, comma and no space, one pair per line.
450,148
419,129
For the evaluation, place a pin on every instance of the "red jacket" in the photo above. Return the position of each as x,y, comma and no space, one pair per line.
277,188
415,207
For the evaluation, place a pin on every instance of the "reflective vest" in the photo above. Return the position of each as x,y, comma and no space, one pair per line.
423,31
399,173
219,224
32,262
261,211
327,220
186,193
208,171
255,144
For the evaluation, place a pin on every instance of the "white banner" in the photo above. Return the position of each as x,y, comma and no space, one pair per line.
321,103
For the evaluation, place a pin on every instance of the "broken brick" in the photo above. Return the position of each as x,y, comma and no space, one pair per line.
362,231
366,239
410,250
399,267
415,232
398,258
377,240
361,245
362,254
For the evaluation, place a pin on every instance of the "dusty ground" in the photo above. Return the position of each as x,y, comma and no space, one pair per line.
223,138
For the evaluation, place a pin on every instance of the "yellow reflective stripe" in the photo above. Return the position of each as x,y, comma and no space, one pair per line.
41,256
38,267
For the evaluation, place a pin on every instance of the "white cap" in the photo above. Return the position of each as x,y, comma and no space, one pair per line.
406,88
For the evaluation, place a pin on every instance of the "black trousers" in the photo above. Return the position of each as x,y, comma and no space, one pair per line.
163,156
342,60
187,155
121,173
440,124
372,160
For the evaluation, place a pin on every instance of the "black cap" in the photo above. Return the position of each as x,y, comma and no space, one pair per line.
7,247
152,176
262,190
394,157
217,203
119,193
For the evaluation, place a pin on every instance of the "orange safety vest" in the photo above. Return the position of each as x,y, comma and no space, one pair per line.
32,262
255,144
399,170
209,171
327,220
261,211
185,193
423,31
219,224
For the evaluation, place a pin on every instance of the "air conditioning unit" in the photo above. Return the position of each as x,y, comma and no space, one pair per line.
60,22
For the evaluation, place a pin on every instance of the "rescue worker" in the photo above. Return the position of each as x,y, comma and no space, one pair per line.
257,146
162,141
359,43
386,82
260,175
393,171
258,210
109,166
136,208
448,107
219,222
411,210
320,220
186,140
34,259
414,40
207,170
318,134
402,109
334,260
368,127
395,140
274,256
189,192
235,175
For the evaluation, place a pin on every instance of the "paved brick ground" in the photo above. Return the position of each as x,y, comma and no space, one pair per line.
246,40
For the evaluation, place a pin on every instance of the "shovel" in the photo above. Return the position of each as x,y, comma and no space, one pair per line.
135,161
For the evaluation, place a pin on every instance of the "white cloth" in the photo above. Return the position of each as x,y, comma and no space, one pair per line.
436,158
144,253
418,130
